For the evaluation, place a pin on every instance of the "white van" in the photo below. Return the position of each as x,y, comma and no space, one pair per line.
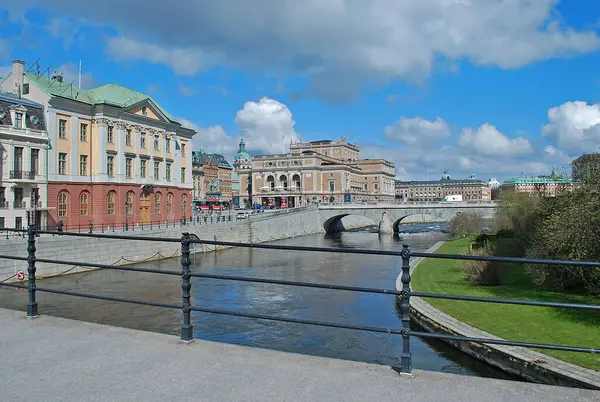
241,216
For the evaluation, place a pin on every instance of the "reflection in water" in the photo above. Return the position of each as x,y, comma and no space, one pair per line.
313,304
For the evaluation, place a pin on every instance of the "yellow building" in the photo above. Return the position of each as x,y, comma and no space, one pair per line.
116,155
319,171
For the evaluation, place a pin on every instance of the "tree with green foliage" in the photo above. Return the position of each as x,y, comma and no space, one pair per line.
467,223
585,170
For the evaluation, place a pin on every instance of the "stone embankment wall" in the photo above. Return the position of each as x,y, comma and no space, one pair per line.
258,229
520,362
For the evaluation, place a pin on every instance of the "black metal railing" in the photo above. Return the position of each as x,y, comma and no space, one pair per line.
187,335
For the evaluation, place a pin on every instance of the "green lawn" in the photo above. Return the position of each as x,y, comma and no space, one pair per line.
514,322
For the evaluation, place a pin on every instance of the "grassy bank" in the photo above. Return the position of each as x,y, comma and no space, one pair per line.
524,323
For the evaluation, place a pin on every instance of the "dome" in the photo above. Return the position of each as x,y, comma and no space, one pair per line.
242,158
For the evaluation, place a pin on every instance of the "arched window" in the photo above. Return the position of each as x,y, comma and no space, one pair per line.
169,203
63,198
157,203
129,203
84,199
296,181
283,181
184,205
271,182
110,202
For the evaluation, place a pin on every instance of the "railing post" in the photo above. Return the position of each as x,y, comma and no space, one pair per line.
187,329
405,359
32,306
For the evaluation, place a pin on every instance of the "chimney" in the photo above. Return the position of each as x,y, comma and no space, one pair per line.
17,73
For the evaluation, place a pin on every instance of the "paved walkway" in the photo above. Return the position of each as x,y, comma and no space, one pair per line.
54,359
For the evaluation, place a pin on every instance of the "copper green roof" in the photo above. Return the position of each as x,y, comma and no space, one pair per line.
532,180
112,94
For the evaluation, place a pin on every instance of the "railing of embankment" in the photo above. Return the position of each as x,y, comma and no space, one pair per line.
187,331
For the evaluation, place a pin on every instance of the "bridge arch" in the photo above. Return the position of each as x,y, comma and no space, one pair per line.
434,217
335,225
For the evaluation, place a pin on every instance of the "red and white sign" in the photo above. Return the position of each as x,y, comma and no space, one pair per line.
20,275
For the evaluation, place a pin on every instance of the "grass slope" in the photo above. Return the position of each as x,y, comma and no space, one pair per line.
523,323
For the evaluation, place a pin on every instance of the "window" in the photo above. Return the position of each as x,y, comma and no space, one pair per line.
168,145
366,187
143,140
128,163
35,161
183,175
128,137
18,197
62,163
110,166
156,170
83,203
376,186
18,159
25,89
19,222
332,186
157,203
169,203
156,142
143,168
109,135
110,202
83,165
83,132
129,203
62,204
183,149
183,205
62,128
2,197
168,174
18,120
1,222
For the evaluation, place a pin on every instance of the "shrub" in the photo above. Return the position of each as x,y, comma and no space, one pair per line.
481,272
467,223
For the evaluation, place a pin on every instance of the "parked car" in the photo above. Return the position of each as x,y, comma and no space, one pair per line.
241,216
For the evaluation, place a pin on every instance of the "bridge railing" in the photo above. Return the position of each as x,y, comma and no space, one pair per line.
187,330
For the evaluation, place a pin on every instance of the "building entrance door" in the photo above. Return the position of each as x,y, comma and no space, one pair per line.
144,208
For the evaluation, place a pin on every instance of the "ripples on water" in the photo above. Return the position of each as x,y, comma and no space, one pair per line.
311,304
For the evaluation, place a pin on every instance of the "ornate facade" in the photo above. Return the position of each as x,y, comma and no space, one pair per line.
319,171
212,179
23,147
436,190
116,156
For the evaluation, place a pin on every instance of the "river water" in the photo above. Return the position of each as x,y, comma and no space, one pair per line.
311,304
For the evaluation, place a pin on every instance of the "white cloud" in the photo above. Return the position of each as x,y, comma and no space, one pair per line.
336,43
574,127
417,130
262,124
488,141
266,125
182,61
186,91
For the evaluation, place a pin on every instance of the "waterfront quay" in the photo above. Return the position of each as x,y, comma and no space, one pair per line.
55,359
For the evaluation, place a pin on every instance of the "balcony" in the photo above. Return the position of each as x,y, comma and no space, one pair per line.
3,204
22,175
23,131
19,204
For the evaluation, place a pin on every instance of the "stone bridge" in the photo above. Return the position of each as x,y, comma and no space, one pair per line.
331,215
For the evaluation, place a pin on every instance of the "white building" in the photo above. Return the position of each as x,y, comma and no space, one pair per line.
24,150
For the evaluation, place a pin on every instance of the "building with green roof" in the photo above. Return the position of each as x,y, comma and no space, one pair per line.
544,184
116,157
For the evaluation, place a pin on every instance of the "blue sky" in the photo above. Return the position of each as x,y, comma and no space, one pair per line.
487,87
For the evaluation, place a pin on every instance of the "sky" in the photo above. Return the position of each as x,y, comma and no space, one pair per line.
494,88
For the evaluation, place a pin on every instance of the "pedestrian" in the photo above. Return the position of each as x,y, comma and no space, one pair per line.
59,226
